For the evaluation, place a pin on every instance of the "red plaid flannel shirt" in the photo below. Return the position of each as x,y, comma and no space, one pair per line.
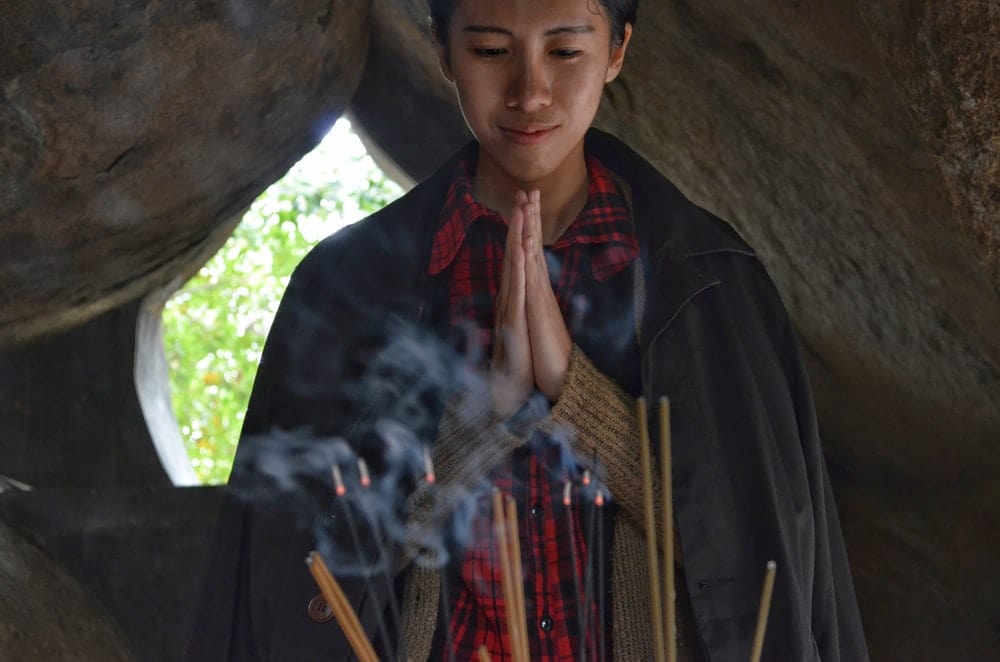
470,243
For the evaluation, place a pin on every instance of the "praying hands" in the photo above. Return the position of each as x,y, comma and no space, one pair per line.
532,345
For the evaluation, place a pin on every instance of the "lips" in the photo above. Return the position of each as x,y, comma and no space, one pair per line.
527,135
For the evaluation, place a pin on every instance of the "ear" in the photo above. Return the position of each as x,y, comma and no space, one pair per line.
618,55
442,53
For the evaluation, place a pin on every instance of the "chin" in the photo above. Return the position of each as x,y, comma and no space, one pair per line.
527,166
529,173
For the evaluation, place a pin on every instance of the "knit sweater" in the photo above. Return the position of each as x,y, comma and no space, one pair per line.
472,441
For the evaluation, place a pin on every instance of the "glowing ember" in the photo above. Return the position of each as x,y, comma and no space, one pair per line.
428,466
599,498
586,477
363,476
338,481
567,493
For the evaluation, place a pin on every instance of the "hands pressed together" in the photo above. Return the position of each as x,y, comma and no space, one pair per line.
532,345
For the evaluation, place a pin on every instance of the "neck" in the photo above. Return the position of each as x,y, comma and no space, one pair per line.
563,192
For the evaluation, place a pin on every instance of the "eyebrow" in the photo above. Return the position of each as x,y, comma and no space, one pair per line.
562,29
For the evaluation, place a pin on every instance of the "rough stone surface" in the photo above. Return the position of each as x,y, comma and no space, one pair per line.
138,552
69,411
131,130
45,615
418,135
946,58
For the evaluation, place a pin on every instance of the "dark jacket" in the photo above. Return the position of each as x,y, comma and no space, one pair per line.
749,479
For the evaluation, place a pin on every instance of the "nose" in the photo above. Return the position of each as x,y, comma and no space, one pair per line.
530,86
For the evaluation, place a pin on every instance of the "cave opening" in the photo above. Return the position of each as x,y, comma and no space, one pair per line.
198,345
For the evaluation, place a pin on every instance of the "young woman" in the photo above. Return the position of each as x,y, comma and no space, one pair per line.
574,276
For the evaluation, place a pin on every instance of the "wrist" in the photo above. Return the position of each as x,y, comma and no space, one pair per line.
507,396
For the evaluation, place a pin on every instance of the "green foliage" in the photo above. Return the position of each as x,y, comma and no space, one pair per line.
214,328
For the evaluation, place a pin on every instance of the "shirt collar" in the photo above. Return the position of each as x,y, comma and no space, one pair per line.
459,212
605,222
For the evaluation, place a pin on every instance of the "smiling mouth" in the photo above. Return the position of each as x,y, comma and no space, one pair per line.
527,135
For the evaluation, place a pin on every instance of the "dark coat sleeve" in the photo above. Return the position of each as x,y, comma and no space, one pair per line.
230,623
347,349
257,587
750,482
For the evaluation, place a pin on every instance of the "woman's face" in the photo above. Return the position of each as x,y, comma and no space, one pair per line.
529,76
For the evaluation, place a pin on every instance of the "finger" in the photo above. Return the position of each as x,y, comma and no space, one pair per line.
536,216
514,231
517,293
515,253
511,275
519,218
532,226
536,273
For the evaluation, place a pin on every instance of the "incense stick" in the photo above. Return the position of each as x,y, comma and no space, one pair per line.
342,610
588,584
514,630
568,503
765,608
365,480
430,478
651,560
429,474
599,503
667,511
341,491
515,551
484,654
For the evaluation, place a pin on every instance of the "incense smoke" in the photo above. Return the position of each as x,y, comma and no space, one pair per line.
380,403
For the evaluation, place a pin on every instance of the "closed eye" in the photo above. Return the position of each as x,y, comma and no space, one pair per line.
489,52
566,53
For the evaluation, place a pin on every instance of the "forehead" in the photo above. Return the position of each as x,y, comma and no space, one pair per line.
528,15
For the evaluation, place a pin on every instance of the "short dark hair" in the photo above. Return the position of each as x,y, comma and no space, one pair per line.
620,12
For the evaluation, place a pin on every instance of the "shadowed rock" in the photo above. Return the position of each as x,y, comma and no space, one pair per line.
45,615
131,131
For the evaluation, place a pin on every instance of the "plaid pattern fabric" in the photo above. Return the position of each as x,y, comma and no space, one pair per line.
600,243
470,243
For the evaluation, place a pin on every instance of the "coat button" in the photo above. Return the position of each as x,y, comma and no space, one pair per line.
546,624
319,610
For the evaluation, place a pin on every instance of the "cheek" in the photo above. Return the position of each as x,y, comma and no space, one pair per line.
477,90
581,91
470,98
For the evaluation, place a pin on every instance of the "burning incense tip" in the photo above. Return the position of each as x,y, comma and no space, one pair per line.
772,566
428,466
363,476
338,481
586,477
599,498
567,493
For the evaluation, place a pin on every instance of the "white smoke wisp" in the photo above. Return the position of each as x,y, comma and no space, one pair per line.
395,403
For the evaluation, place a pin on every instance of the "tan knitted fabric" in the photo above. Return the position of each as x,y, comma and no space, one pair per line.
601,417
631,633
471,442
421,596
631,601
